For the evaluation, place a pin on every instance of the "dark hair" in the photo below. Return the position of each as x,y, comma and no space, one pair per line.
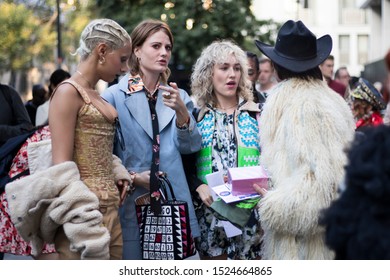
56,78
283,73
337,73
254,57
38,94
331,57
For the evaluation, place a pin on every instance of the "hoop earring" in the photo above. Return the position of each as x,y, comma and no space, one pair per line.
102,59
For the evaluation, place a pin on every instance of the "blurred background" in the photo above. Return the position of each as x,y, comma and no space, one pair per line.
37,37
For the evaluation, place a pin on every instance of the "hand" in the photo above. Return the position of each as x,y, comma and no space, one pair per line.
172,99
142,179
205,195
124,190
261,191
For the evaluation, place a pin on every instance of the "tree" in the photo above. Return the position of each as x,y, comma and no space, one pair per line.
28,37
194,23
19,37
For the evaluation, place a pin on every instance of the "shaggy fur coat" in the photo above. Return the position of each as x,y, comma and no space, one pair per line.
305,128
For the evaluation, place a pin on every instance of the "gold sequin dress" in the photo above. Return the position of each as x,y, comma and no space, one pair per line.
93,147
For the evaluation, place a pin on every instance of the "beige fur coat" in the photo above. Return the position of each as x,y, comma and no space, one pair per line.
47,199
305,127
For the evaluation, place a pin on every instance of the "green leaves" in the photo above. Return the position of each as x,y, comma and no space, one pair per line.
194,23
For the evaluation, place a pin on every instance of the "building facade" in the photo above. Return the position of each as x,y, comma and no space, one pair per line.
346,21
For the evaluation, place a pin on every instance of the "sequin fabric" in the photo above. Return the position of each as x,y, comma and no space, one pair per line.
93,146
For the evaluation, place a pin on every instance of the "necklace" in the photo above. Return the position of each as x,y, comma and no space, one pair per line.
82,76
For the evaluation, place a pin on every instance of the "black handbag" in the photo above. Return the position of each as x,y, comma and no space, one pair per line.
165,236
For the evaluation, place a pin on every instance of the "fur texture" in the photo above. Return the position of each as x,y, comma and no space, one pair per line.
305,127
358,222
120,172
42,202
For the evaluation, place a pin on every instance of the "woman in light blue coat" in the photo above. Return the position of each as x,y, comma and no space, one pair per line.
152,47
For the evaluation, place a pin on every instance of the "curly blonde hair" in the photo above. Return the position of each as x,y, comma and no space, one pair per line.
201,79
102,31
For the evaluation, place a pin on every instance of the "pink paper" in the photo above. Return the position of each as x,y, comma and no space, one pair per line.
242,179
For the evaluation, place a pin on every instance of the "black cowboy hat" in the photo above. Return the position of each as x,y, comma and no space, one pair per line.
297,48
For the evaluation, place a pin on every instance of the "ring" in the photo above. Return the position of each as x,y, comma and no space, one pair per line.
166,95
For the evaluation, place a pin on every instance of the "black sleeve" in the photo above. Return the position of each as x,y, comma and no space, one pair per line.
19,122
189,164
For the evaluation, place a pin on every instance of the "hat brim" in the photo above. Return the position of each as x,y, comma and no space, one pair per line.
324,47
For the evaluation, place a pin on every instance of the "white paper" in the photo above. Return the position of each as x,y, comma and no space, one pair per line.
213,180
224,191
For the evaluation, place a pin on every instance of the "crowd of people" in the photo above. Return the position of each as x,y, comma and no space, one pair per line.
313,132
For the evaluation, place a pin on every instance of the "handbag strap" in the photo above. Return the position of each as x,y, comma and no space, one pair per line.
155,201
165,182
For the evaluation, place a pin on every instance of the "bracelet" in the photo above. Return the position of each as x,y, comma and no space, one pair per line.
133,174
184,125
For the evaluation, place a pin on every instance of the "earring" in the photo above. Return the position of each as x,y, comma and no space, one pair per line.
102,59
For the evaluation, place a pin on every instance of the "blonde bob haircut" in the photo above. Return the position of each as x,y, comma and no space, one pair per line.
102,31
216,53
139,35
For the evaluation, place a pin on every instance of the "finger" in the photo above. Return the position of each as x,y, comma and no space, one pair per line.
209,201
124,192
259,189
174,85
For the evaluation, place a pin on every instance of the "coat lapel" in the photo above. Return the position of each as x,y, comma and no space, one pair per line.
138,107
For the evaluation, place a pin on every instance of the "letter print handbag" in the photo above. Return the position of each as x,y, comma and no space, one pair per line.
166,236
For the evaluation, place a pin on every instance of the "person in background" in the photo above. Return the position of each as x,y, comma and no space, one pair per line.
42,115
367,104
230,138
386,117
326,68
357,223
14,119
342,76
305,128
136,96
253,73
39,95
266,79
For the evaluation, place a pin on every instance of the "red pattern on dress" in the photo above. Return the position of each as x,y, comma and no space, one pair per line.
10,240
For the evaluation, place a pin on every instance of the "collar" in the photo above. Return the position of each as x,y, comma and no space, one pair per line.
135,84
243,105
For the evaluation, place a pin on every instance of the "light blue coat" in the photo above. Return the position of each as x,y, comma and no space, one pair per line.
136,126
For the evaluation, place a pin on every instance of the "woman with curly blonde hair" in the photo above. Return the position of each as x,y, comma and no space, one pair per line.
229,129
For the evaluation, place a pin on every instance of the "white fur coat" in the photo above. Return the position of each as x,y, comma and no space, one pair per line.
305,127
